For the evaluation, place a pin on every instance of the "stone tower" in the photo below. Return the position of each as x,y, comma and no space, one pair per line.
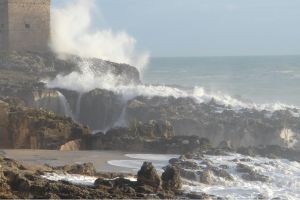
24,25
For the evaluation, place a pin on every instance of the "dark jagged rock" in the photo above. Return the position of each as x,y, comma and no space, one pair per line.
171,179
148,175
204,171
250,174
152,137
219,172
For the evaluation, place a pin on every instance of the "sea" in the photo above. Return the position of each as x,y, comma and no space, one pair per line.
260,79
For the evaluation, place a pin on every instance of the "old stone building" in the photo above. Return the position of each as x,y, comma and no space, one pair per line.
24,25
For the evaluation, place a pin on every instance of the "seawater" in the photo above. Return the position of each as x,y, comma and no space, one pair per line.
284,176
261,79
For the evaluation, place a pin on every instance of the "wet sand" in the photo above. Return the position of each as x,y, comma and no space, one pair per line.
59,158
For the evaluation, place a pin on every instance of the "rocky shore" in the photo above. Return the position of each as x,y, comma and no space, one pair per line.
28,181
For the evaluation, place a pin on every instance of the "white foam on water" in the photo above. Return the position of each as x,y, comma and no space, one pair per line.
66,106
72,178
284,179
77,179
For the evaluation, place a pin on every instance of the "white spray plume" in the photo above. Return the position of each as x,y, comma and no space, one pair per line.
71,33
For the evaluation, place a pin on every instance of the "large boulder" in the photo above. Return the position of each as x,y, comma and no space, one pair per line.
148,175
171,179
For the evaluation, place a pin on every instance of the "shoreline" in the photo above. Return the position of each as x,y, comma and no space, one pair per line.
60,158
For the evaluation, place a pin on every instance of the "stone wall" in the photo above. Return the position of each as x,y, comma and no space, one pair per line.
28,25
3,25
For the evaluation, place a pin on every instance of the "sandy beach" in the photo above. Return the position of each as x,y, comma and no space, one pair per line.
58,158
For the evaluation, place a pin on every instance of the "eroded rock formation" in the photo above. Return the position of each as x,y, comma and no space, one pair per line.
28,128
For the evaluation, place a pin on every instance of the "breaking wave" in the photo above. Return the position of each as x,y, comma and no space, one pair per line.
87,80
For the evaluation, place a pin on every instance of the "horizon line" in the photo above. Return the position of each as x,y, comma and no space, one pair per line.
208,56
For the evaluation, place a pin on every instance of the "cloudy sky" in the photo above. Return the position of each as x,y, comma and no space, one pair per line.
204,27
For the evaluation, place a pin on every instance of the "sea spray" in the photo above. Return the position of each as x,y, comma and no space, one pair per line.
66,106
122,122
72,33
78,106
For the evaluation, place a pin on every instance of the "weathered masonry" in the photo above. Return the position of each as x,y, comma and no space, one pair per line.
24,25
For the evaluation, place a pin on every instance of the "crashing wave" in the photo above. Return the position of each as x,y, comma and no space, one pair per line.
88,79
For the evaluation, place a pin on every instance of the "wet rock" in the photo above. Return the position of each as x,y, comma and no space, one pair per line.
203,196
243,168
84,169
222,173
171,179
148,175
189,174
100,182
191,165
250,174
206,177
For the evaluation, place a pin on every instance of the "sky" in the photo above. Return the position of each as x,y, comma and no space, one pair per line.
172,28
